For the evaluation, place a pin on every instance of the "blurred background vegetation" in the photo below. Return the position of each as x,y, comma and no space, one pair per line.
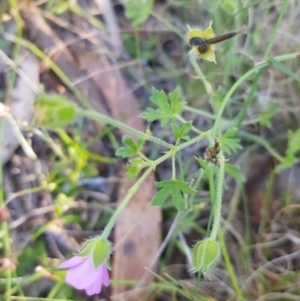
60,185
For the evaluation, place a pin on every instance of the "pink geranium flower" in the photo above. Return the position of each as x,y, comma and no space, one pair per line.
84,276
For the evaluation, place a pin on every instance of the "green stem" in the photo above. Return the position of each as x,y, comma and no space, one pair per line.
182,120
201,76
229,266
144,157
101,118
218,200
164,157
279,20
239,119
255,69
262,142
173,167
192,141
128,197
199,112
196,184
266,202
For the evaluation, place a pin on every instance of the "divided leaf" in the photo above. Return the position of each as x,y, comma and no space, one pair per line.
134,167
180,132
228,143
167,109
203,163
291,157
294,141
176,189
130,147
288,160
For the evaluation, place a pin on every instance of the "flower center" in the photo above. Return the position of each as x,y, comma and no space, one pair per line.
200,43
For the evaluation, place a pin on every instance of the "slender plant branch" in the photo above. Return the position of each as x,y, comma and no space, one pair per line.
192,141
262,142
272,38
199,112
182,120
229,266
101,118
173,167
201,76
255,69
126,200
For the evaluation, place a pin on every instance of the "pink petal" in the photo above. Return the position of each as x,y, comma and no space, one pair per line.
82,276
105,276
76,260
95,288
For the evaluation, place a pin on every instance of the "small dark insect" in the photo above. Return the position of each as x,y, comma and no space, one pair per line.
211,154
202,43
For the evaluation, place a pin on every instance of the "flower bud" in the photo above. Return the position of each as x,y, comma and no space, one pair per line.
205,255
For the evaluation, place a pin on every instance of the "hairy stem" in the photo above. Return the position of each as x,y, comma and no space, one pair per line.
218,200
101,118
201,76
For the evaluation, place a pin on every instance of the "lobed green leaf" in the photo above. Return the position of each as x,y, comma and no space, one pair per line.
180,132
131,148
176,189
228,143
167,109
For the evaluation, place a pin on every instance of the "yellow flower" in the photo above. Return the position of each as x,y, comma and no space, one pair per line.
201,49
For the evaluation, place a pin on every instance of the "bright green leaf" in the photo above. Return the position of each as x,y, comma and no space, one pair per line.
134,167
175,129
294,141
132,171
203,163
291,155
228,143
180,133
167,109
176,189
131,148
288,161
